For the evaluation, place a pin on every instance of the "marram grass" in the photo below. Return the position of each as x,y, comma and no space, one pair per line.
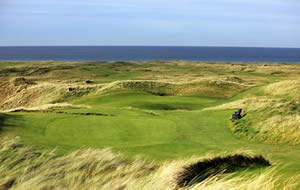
24,168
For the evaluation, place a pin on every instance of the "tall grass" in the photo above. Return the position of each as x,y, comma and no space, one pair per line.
288,88
23,168
273,118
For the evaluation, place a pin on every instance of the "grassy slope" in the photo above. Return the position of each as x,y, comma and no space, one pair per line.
157,127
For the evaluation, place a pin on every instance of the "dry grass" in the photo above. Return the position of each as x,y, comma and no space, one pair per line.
274,120
269,180
249,104
20,93
46,107
289,88
281,129
201,170
52,82
83,169
278,112
211,86
25,95
25,168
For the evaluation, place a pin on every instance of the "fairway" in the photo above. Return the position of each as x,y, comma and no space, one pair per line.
133,122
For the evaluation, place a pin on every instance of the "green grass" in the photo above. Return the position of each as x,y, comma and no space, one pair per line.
155,127
149,122
143,124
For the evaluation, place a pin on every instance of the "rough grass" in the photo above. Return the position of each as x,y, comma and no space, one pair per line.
199,171
269,118
210,87
32,84
286,89
282,129
20,93
22,167
249,104
24,94
41,83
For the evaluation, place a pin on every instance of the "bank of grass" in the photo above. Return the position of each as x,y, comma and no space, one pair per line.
20,92
288,89
23,167
272,117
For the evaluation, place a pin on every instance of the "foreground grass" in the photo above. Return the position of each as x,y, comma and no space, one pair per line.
22,167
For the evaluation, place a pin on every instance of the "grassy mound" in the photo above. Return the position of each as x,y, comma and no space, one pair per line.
22,167
26,94
21,93
269,119
286,89
209,87
249,104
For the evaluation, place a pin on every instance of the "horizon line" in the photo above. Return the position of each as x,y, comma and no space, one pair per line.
4,46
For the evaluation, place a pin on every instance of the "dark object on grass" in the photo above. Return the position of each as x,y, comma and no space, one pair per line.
237,115
71,89
200,171
89,82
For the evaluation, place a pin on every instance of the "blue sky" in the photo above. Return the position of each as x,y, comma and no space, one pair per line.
260,23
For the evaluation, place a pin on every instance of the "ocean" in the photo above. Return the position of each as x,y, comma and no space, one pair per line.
145,53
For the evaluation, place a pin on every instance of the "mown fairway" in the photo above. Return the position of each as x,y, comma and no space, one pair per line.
136,123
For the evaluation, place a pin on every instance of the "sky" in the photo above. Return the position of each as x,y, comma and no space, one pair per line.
249,23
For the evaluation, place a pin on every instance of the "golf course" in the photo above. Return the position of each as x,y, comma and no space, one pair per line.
157,117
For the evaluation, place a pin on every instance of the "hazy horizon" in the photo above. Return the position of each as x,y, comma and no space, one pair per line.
276,47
